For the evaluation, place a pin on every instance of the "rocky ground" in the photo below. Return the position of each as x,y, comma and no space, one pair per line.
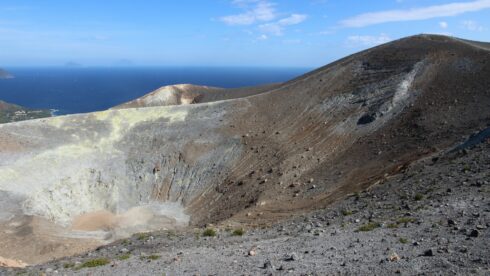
254,156
433,218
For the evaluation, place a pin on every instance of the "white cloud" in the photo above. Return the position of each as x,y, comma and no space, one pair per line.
277,28
443,24
271,28
471,25
436,11
367,40
255,11
263,37
263,15
292,20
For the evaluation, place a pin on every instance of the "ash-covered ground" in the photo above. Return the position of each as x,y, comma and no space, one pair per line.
431,219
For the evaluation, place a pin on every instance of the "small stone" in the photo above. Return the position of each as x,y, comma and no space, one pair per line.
474,233
291,257
124,250
268,265
252,252
394,257
451,222
429,253
480,227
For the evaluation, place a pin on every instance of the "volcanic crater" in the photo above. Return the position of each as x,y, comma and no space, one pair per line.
189,156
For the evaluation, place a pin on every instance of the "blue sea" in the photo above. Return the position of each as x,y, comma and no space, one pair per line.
80,90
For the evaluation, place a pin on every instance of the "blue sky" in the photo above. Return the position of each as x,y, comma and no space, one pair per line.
285,33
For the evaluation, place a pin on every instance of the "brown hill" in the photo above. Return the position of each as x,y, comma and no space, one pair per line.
348,125
182,94
270,154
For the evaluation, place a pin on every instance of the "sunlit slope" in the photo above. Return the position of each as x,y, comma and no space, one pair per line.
290,148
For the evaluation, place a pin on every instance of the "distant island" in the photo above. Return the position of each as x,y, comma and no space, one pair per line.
5,75
10,113
72,64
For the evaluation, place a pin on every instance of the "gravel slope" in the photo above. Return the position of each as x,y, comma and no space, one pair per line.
260,160
433,218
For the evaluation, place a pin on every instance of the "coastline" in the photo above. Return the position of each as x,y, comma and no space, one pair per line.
54,112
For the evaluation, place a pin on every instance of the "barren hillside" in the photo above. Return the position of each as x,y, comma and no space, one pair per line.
256,158
183,94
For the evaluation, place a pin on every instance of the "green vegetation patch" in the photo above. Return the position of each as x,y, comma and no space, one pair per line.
151,257
95,263
400,221
238,232
392,225
69,265
418,197
406,220
369,227
154,257
142,236
171,234
346,213
124,257
403,241
126,242
13,113
209,232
